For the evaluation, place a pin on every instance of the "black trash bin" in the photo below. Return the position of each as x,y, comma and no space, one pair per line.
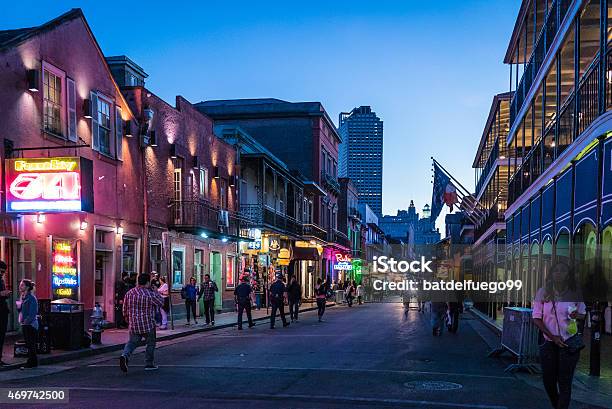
66,324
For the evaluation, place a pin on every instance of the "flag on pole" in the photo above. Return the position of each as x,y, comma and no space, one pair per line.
444,192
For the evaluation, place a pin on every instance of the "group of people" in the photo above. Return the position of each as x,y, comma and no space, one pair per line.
192,294
351,291
27,306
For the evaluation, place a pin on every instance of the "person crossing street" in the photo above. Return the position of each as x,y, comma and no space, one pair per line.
278,292
242,296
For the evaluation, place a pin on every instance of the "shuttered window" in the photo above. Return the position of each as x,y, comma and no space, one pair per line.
72,117
119,133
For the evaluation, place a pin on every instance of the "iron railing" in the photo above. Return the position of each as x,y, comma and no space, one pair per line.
263,215
313,230
330,182
338,237
201,214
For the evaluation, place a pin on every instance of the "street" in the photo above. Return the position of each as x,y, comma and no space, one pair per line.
367,356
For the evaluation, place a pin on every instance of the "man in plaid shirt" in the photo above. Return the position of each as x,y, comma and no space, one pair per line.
139,306
207,291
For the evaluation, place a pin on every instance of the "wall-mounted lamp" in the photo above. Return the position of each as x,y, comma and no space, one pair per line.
84,225
40,218
33,77
195,162
173,150
224,240
87,108
216,172
232,180
127,128
119,230
204,235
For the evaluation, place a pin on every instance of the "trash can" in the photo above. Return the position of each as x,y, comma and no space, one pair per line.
339,296
66,324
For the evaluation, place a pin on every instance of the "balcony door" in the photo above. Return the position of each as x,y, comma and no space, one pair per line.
178,189
216,275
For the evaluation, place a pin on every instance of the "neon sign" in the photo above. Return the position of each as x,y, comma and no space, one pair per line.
44,184
64,269
343,262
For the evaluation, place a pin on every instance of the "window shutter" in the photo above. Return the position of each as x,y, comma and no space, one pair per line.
72,118
95,139
119,133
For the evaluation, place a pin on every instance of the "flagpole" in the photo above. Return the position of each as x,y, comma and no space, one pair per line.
465,191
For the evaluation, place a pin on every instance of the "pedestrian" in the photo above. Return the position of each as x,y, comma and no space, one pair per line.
438,309
4,309
278,293
406,303
320,297
253,284
242,296
350,293
455,307
155,284
190,294
294,295
121,288
207,291
556,309
165,308
27,305
139,310
360,293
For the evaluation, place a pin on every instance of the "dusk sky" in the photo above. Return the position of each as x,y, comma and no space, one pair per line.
428,69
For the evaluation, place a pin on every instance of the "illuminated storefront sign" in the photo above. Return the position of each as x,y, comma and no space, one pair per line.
64,269
229,272
62,184
342,262
255,234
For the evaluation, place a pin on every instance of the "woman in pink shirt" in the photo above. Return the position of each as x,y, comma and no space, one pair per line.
555,311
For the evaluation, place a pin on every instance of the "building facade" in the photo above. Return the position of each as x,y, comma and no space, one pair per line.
361,154
302,136
349,221
417,230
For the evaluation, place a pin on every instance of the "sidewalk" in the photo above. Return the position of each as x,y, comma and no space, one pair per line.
587,389
114,339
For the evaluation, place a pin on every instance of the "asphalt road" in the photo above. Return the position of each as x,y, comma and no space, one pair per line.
365,357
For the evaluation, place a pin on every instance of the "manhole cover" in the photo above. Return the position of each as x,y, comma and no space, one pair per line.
432,385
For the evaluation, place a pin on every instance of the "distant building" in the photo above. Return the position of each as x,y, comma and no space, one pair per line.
361,154
408,225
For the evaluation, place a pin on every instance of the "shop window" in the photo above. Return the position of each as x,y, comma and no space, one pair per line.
198,264
155,257
585,257
53,97
128,256
178,268
230,272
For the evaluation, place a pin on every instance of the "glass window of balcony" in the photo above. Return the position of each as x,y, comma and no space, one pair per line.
568,76
540,6
537,115
589,34
550,109
528,131
609,20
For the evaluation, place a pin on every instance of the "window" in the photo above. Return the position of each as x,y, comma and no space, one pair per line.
222,193
104,124
128,256
198,264
178,187
230,281
155,257
178,268
203,182
52,102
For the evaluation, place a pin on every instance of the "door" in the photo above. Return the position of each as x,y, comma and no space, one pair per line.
24,258
216,274
178,268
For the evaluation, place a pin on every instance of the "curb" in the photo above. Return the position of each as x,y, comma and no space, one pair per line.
85,353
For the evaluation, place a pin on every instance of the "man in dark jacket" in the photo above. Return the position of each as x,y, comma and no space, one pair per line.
121,288
207,291
4,310
294,294
277,299
242,296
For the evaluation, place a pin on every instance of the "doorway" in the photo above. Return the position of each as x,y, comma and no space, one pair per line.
216,274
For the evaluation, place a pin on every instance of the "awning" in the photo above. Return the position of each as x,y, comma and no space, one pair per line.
305,253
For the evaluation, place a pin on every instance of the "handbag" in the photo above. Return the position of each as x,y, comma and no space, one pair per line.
575,343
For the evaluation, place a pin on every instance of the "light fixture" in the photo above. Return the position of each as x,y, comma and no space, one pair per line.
119,230
216,172
152,138
40,218
195,162
33,77
232,181
84,225
127,128
224,240
173,150
87,108
204,235
502,157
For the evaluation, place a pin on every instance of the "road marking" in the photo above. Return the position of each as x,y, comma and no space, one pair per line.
341,399
274,368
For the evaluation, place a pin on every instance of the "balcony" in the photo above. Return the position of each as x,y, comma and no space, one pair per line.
542,46
336,236
262,215
578,111
354,213
493,216
312,230
489,165
330,182
200,216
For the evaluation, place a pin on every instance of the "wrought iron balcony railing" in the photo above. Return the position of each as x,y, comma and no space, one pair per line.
262,215
338,237
330,181
313,230
195,215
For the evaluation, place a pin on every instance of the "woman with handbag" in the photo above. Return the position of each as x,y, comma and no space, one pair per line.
556,309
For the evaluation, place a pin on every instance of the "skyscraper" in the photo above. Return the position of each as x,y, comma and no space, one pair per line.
361,154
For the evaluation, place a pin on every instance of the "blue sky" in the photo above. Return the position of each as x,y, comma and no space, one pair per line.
429,69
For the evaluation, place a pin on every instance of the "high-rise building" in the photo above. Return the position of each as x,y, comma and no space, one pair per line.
361,154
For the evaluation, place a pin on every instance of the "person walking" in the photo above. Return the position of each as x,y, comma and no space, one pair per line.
121,288
190,293
320,294
438,309
165,308
4,309
242,296
294,295
556,309
27,305
139,308
278,292
360,294
350,293
207,291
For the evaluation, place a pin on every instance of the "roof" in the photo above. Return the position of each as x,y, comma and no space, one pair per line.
505,96
264,107
516,32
